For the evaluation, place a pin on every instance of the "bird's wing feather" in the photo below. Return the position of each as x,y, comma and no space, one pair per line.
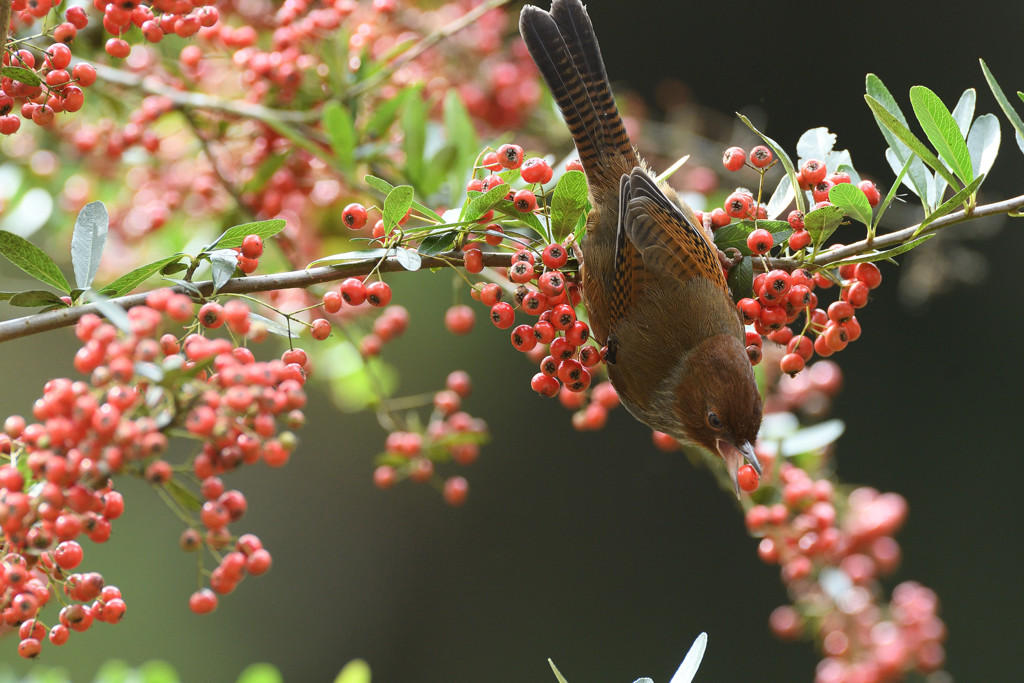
663,236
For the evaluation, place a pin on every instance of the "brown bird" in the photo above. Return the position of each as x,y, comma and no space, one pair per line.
652,280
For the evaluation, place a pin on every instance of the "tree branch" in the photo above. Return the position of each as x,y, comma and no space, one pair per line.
5,21
299,279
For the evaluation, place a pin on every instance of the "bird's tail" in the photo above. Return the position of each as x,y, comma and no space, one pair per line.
565,49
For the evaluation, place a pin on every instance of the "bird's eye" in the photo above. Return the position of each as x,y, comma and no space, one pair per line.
714,421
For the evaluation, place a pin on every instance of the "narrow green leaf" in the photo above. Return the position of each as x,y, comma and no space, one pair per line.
484,202
385,187
459,124
918,177
21,74
530,220
87,242
414,129
134,278
952,203
741,279
173,267
4,296
983,143
438,243
409,259
821,223
348,257
558,674
781,198
852,200
906,137
34,298
735,234
816,143
223,263
1004,103
892,190
783,158
183,495
568,201
341,133
233,237
885,254
356,671
33,260
385,112
963,112
942,131
396,205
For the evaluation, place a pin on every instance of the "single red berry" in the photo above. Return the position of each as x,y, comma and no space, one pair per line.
354,216
57,56
384,477
820,190
502,315
796,219
211,315
473,260
799,240
320,329
738,204
839,177
252,246
118,48
510,156
760,156
353,291
778,281
490,161
378,294
747,478
459,319
77,16
719,218
544,385
554,256
574,165
68,555
491,294
455,490
840,311
801,346
203,601
870,190
520,272
536,170
813,171
856,294
760,241
525,201
551,283
750,309
332,301
734,158
792,363
869,274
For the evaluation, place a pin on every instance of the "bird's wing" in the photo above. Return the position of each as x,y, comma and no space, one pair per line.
662,236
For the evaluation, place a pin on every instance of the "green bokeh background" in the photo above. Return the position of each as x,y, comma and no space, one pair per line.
594,549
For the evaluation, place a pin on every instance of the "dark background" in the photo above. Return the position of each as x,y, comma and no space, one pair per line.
595,550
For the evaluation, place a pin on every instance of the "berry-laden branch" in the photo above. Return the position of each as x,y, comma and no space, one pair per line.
297,279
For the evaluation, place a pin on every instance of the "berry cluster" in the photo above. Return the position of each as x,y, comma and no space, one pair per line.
780,298
450,434
142,386
42,85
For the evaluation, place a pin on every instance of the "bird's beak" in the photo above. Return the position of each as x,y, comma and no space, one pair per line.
734,457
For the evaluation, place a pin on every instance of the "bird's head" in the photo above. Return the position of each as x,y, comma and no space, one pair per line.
717,403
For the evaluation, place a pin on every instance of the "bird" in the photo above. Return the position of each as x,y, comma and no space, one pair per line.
653,283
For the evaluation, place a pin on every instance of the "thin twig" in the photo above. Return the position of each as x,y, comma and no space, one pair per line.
298,279
424,44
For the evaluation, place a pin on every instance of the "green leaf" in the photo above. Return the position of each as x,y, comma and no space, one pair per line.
386,110
530,220
735,235
261,672
341,133
33,260
484,202
781,198
348,256
815,143
783,158
173,267
396,205
113,671
852,200
983,143
1004,103
189,286
885,254
813,438
134,278
21,74
4,296
821,223
356,671
952,203
156,671
558,674
223,263
437,243
459,124
907,138
87,242
414,138
385,187
33,299
918,177
233,237
568,202
963,112
741,279
182,495
942,131
409,259
892,190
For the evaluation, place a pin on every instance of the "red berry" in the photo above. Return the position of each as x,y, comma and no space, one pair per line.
839,177
820,190
354,216
813,171
747,478
870,190
510,156
544,385
536,170
778,282
796,219
491,294
525,201
574,165
490,161
320,329
760,156
856,294
118,48
455,491
719,218
68,555
799,240
332,301
252,246
792,363
760,241
378,293
750,309
203,601
353,291
211,315
474,261
459,319
738,204
554,256
734,158
502,315
869,274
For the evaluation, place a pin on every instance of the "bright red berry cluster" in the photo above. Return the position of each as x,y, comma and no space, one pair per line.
43,84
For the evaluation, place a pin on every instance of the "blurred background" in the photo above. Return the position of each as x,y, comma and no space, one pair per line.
594,549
